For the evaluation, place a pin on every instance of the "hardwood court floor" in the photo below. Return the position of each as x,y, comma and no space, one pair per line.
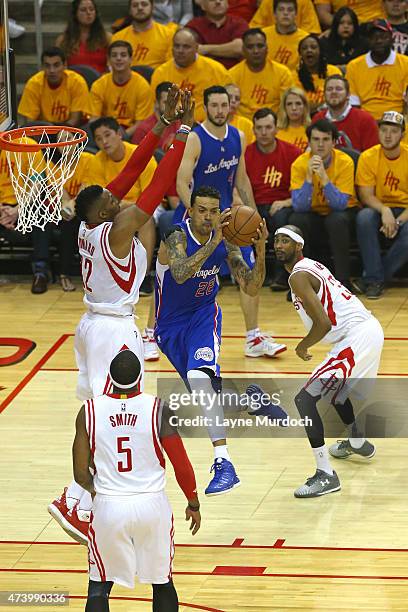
259,548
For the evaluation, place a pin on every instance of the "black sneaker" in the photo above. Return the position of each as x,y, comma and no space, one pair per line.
374,291
357,285
146,288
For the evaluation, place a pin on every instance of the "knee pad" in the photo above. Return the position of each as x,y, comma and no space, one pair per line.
99,589
305,403
205,373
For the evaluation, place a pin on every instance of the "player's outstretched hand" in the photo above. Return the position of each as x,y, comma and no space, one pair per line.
195,517
187,108
302,352
171,107
223,221
259,241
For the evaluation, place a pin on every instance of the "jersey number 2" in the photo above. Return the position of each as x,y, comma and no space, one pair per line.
126,465
86,273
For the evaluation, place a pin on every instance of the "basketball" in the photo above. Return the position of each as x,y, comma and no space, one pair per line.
242,226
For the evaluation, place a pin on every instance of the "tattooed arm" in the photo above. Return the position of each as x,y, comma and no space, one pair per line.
182,267
249,280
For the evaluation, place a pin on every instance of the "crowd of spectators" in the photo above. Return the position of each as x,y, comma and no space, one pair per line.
318,89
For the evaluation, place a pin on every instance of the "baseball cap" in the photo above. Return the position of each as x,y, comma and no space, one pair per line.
380,24
394,118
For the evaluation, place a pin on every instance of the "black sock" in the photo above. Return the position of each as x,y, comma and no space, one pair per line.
165,597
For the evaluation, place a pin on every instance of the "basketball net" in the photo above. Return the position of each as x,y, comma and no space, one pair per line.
40,168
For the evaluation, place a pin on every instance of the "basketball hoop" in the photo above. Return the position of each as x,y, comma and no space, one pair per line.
41,159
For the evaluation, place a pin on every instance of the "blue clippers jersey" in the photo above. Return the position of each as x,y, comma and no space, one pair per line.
175,301
218,162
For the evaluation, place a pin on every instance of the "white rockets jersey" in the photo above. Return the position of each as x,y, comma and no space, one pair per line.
111,285
344,309
125,445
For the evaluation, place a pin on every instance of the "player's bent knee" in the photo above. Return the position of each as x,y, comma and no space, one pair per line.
205,373
305,404
99,589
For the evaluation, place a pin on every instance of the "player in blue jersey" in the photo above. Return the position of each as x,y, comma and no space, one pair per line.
214,156
188,318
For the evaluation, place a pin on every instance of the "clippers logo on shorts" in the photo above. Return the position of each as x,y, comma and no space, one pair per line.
205,354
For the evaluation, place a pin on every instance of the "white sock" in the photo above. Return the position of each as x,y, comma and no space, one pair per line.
322,459
74,494
253,333
221,452
149,332
85,503
353,439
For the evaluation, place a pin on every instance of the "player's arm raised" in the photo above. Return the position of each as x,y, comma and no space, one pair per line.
81,454
242,182
185,172
249,280
302,286
130,220
183,267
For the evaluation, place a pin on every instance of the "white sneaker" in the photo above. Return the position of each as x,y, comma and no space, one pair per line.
263,346
150,348
15,29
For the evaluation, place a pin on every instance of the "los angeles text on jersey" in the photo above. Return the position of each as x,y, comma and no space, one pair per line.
223,163
124,418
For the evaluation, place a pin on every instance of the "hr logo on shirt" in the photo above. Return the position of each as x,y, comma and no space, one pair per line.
140,52
59,111
283,55
382,86
121,108
272,176
259,93
391,180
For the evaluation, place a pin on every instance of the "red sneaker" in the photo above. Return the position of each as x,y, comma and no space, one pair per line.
74,522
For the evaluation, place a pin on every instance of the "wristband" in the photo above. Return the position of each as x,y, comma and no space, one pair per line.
164,120
194,508
183,126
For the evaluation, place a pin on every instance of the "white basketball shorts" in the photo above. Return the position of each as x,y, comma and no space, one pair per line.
351,365
131,536
98,339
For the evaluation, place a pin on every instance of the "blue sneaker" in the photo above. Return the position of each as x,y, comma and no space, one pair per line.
225,478
273,412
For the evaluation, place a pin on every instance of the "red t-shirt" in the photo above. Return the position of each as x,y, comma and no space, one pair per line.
147,124
242,8
358,125
269,173
209,34
95,59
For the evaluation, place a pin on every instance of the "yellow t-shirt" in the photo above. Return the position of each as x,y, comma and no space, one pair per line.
102,170
246,126
388,176
127,103
378,88
306,16
340,173
259,89
405,137
366,10
203,73
316,97
283,48
40,101
294,135
7,195
152,47
80,176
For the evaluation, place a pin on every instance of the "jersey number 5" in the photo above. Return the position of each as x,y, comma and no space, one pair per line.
126,465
